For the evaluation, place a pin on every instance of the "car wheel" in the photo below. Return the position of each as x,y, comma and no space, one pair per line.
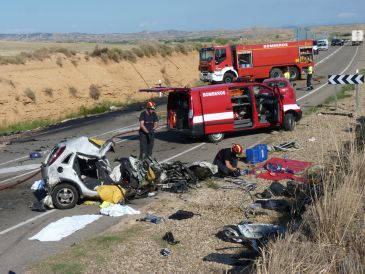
65,196
276,73
289,122
294,73
228,78
231,233
216,137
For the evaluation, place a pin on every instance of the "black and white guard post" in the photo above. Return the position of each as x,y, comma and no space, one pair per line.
354,79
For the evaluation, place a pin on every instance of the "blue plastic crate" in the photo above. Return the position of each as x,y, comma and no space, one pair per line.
257,154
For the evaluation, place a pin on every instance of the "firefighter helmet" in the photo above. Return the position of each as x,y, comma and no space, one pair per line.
151,105
237,148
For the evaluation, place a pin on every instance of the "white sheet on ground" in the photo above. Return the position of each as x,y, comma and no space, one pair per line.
64,227
118,210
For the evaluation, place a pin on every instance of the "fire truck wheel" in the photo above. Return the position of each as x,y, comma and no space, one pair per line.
289,122
294,73
228,77
276,73
215,138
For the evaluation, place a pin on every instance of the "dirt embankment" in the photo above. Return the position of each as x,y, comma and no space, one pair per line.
59,85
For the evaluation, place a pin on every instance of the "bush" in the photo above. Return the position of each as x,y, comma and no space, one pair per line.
149,50
48,92
138,52
165,50
73,91
30,94
94,92
59,62
129,56
182,48
104,56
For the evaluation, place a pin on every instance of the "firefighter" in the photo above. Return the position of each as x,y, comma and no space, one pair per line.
287,73
227,160
309,75
148,123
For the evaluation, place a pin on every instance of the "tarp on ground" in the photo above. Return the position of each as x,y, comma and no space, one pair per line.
64,227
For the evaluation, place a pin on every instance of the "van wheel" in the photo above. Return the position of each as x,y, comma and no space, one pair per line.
65,196
228,78
289,122
215,138
294,73
276,73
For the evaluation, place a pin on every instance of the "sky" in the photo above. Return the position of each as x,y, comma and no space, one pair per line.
129,16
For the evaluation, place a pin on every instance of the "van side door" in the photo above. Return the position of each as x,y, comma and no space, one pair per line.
217,110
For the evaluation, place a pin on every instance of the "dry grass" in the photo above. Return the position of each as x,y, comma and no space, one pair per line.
330,239
94,92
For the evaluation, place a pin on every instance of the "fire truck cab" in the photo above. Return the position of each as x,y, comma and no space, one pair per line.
260,61
215,110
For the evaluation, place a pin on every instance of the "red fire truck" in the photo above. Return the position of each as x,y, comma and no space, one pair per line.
260,61
215,110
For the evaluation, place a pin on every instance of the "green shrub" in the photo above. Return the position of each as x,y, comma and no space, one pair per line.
94,92
30,94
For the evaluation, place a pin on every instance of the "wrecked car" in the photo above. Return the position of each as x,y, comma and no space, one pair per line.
74,168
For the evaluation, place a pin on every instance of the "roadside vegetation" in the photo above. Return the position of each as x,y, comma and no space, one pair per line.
99,108
330,237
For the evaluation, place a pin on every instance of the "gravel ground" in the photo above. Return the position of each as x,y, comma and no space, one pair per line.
317,135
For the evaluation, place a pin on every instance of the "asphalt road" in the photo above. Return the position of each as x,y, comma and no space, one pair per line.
18,222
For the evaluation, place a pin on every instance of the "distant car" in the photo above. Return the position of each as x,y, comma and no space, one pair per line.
322,44
315,47
337,42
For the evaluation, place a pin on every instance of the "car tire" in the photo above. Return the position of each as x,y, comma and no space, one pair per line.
294,73
65,196
216,137
289,122
276,73
232,234
228,78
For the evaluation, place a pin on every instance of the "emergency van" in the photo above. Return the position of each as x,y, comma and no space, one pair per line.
215,110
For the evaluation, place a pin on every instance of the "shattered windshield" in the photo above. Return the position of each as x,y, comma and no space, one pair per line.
206,54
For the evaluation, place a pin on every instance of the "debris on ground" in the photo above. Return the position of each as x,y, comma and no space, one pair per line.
169,238
182,215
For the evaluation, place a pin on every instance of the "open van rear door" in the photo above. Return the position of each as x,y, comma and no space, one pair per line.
217,111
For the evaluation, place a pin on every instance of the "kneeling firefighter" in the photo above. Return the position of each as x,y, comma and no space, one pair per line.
227,160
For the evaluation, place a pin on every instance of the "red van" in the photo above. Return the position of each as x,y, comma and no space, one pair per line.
215,110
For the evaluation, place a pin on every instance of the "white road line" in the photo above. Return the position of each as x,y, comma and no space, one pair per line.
14,160
186,151
21,175
315,90
19,168
26,222
327,57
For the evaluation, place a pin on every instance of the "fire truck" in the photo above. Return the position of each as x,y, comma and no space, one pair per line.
260,61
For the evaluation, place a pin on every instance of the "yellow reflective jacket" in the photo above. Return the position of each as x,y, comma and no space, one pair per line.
310,69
